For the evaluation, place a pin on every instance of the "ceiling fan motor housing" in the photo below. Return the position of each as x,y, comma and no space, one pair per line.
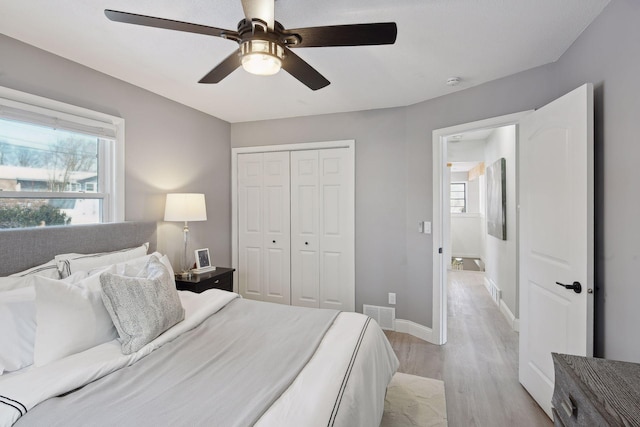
261,51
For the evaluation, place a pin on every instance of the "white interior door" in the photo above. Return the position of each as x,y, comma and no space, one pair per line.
305,259
263,227
556,237
276,216
250,226
322,231
336,239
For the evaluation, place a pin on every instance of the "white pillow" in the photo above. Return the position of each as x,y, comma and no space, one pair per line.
48,269
70,263
131,267
17,328
70,318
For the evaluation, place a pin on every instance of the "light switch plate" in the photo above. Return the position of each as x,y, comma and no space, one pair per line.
426,227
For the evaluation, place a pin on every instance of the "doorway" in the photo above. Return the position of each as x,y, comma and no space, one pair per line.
447,148
555,233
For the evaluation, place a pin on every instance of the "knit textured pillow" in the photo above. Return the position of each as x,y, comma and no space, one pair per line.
142,307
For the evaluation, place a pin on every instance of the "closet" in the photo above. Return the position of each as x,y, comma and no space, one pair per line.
295,226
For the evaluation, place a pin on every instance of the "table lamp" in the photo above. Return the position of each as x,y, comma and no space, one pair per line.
185,207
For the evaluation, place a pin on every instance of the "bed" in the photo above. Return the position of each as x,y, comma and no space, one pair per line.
226,361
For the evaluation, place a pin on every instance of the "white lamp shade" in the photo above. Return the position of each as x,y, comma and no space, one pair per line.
185,207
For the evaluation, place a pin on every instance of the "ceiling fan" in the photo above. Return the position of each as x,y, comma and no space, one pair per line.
265,45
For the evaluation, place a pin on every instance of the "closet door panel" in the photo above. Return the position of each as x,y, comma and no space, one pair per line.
250,241
296,227
305,273
337,274
277,232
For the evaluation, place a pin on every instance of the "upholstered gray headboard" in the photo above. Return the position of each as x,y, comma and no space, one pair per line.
24,248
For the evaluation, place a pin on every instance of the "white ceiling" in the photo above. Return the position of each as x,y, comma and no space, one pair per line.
476,40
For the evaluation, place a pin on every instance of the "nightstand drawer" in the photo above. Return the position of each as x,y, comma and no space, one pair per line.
595,392
221,278
572,404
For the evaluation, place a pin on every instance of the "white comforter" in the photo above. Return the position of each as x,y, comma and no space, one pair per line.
334,388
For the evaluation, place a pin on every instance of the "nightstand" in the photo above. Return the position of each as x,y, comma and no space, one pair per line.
595,392
220,278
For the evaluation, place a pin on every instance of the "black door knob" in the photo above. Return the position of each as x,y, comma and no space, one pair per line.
306,243
576,286
274,241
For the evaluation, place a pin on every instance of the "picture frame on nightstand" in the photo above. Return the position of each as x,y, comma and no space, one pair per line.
203,261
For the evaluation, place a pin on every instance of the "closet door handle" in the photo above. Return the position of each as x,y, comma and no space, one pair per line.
274,241
306,243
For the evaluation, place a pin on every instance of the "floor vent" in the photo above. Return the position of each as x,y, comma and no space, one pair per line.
385,316
496,293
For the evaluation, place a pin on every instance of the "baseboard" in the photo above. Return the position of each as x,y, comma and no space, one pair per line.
511,318
415,329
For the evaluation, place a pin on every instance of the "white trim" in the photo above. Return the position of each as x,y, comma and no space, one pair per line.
511,318
46,106
349,143
415,329
441,214
112,158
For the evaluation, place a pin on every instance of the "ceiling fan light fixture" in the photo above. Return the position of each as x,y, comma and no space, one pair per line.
261,57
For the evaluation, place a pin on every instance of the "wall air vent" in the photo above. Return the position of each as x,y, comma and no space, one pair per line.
384,316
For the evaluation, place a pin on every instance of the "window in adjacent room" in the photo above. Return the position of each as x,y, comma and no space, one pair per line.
458,196
59,164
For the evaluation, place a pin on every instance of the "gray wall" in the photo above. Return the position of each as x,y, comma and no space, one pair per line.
501,254
607,54
393,172
169,147
381,191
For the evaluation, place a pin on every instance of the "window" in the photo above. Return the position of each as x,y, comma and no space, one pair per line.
458,197
59,164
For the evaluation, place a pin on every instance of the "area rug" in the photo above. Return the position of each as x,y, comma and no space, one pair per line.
414,401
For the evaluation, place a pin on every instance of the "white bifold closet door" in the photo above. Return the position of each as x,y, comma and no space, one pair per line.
322,258
296,227
264,227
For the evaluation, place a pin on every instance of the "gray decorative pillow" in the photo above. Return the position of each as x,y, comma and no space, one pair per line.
141,307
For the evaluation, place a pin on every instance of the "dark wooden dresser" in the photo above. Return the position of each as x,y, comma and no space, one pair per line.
595,392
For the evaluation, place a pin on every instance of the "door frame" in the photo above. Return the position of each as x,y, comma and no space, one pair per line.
350,144
441,214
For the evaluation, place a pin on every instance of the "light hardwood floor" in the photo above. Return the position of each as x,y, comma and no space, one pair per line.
478,364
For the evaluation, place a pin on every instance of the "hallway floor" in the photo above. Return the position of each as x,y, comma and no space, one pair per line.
479,363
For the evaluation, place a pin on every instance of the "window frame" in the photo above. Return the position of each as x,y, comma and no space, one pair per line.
110,155
465,185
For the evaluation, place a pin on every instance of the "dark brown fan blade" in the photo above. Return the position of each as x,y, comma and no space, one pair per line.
302,71
168,24
223,69
346,35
